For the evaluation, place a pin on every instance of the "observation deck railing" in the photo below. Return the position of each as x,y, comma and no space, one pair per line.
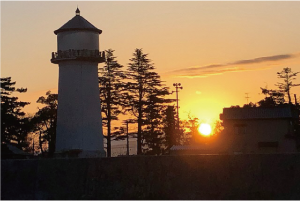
83,55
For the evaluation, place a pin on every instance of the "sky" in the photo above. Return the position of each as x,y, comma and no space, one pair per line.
220,52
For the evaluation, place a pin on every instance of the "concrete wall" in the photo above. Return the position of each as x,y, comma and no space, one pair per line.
266,176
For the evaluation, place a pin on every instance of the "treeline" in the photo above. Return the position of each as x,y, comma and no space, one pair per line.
279,96
139,93
135,91
20,129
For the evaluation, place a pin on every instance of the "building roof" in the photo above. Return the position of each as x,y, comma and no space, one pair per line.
257,113
78,23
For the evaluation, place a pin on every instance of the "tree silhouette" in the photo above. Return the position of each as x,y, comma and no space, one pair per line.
173,136
146,97
218,128
249,105
153,132
14,125
169,127
272,99
288,76
45,121
111,93
191,125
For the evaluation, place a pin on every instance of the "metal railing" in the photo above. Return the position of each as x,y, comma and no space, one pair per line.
71,53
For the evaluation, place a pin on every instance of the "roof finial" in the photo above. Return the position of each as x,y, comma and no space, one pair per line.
77,12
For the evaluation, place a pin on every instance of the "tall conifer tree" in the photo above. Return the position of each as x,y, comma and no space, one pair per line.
111,93
14,125
147,102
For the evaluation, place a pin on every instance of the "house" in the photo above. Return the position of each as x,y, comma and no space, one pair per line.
260,130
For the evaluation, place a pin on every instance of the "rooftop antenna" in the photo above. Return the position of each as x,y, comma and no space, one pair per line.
247,97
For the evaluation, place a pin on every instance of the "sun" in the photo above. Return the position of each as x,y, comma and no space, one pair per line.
205,129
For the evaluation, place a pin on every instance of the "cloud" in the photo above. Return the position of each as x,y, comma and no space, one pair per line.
211,72
236,66
198,68
264,59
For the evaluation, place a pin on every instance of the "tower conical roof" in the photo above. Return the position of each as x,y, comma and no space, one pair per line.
78,23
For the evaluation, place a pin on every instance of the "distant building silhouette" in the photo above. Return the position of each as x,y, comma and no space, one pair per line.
259,130
252,130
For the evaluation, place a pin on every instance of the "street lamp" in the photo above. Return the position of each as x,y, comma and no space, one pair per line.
177,86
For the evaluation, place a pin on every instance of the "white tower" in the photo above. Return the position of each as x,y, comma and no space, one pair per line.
79,123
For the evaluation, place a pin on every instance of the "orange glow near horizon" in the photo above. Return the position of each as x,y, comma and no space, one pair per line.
205,129
218,51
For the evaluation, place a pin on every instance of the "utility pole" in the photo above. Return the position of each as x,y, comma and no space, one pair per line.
33,146
178,86
127,139
127,122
